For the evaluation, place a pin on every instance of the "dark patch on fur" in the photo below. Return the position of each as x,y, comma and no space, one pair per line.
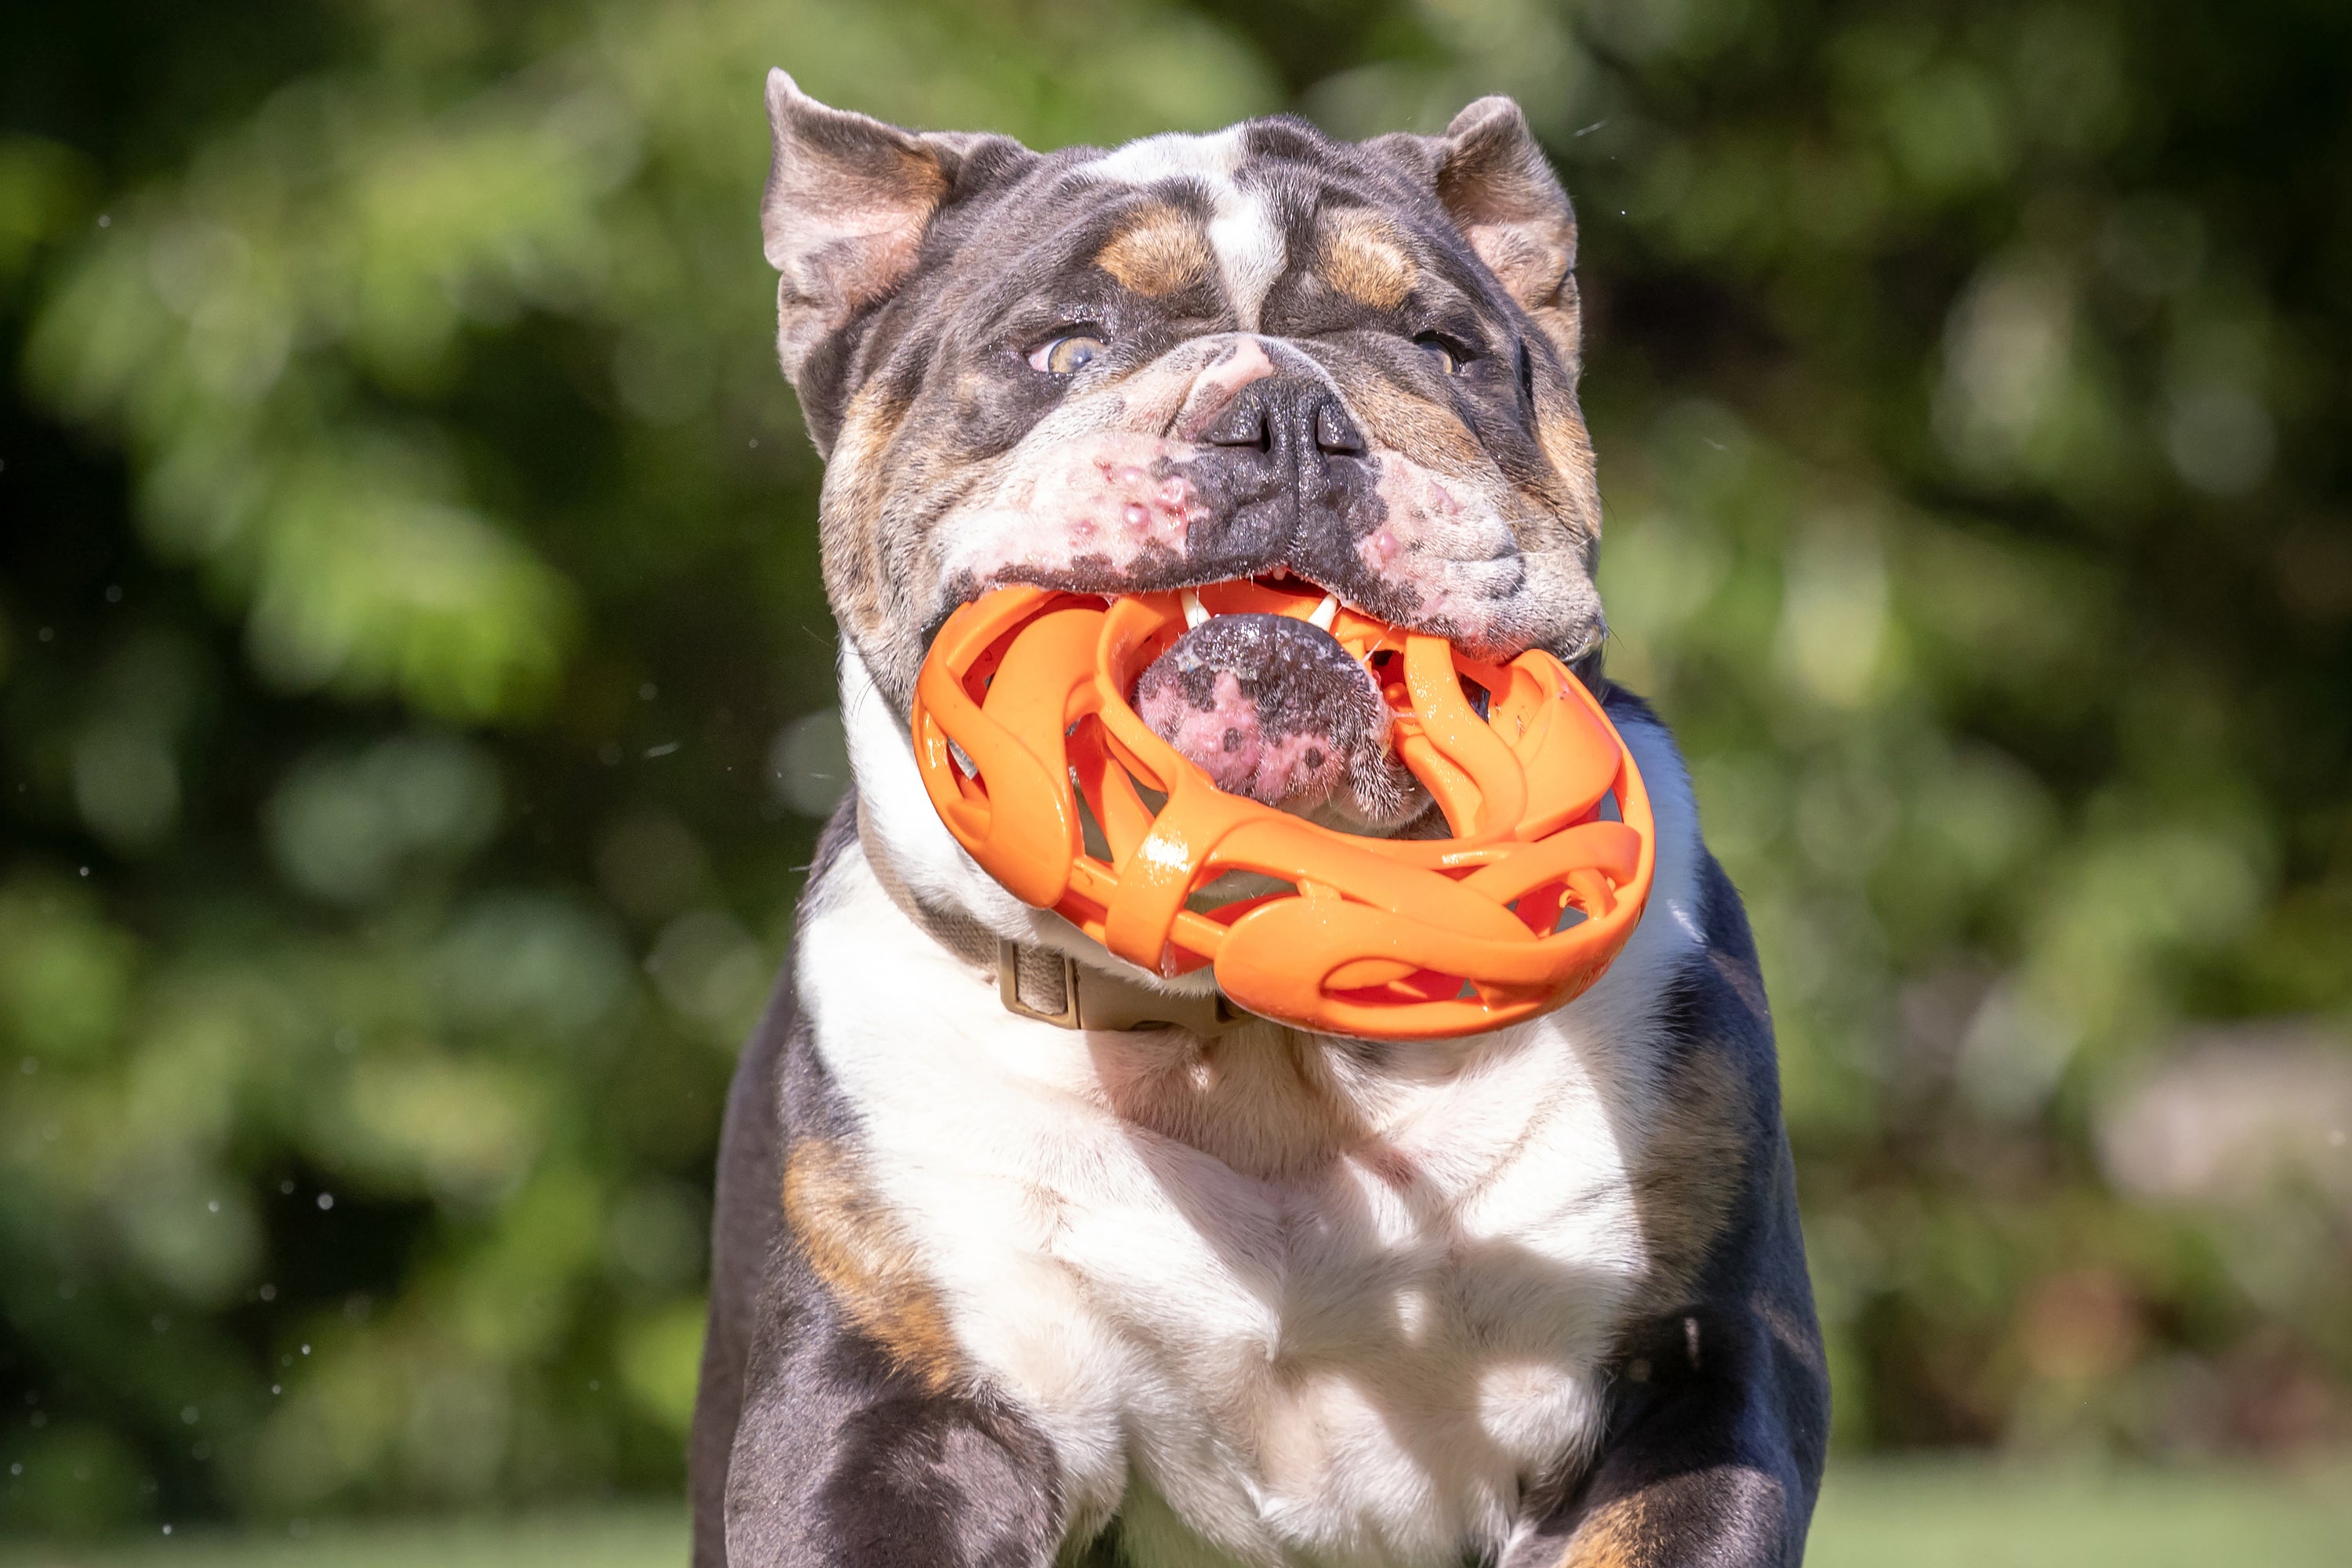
743,1229
1719,1393
832,1448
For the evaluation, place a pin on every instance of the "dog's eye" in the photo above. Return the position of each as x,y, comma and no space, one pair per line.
1068,354
1448,355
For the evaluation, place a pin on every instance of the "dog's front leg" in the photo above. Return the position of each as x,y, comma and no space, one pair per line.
1703,1467
862,1441
833,1465
1719,1415
1720,1401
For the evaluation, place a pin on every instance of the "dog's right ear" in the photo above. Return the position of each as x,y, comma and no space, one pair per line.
1492,178
848,201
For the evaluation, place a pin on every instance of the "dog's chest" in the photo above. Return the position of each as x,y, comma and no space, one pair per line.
1268,1307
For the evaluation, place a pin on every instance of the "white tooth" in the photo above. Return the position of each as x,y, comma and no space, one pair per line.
1325,613
1195,613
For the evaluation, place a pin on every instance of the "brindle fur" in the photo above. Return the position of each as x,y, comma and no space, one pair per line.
837,1421
912,380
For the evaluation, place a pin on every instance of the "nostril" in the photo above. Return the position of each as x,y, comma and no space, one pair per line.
1244,423
1334,433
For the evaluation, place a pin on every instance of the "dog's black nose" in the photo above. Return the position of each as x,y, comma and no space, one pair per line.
1287,479
1287,414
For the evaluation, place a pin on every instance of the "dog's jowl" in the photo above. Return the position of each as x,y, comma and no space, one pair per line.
989,1289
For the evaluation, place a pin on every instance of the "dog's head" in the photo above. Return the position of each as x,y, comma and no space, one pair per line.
1258,354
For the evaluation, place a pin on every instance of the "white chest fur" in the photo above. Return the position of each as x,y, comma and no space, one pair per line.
1275,1300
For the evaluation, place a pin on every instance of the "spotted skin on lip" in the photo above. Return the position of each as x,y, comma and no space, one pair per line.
1094,518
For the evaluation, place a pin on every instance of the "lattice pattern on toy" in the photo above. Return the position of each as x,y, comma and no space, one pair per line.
1029,747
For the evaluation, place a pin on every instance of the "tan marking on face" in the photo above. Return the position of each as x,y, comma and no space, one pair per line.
1609,1537
853,523
1689,1170
865,1262
1161,250
1559,427
1358,253
1399,419
1570,450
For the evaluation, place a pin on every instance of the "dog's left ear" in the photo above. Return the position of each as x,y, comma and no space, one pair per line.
1495,184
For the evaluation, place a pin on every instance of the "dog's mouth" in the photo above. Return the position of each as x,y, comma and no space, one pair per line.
1284,692
1280,692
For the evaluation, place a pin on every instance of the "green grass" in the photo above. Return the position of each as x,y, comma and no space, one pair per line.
1939,1515
589,1537
1945,1515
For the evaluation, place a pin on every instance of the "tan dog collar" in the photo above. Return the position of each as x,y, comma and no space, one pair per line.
1044,982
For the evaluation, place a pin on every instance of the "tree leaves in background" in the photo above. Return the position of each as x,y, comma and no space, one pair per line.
413,672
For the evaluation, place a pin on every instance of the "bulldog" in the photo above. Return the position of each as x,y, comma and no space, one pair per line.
1025,1255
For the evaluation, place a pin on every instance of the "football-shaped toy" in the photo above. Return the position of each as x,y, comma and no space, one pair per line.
1036,758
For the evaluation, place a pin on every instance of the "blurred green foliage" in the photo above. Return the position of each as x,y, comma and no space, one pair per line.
413,671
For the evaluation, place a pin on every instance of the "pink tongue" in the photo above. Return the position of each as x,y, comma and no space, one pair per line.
1268,707
1231,744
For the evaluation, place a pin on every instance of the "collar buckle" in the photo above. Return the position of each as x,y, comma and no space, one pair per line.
1090,999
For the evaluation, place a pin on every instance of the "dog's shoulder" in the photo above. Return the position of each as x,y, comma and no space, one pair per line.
1719,1413
1713,1183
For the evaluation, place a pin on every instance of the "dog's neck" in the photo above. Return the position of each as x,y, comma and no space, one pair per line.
1265,1099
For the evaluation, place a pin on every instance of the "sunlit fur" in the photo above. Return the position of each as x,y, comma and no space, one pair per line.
1271,1299
1277,1298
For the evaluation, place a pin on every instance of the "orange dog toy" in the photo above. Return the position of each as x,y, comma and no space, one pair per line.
1022,714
